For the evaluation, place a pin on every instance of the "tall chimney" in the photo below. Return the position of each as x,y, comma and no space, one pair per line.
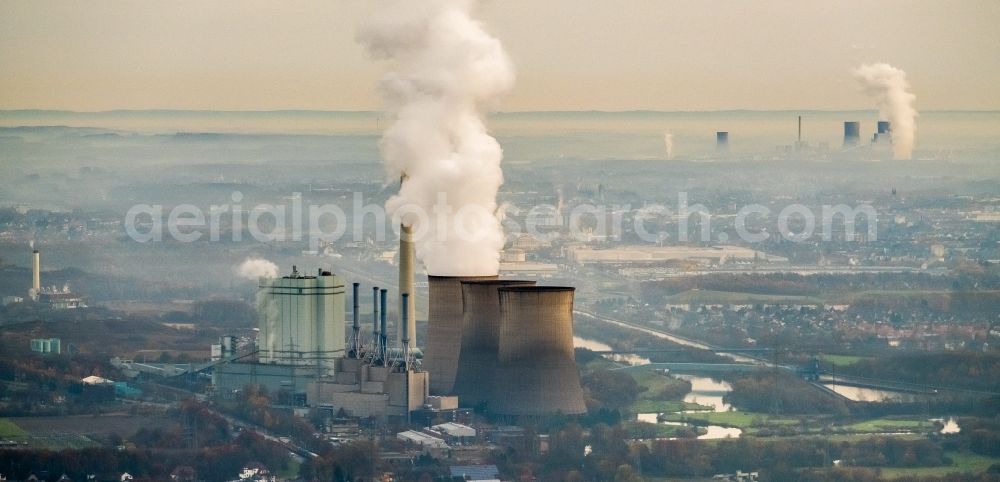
404,318
356,329
383,317
375,315
406,260
36,271
444,330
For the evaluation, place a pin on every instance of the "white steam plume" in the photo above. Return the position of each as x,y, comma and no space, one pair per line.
444,70
895,103
668,143
254,268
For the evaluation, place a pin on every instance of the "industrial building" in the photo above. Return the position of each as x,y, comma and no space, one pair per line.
301,320
53,297
487,339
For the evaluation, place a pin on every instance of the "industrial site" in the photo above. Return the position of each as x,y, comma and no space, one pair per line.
458,240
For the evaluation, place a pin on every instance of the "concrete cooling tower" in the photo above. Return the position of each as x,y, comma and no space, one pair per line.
536,371
477,359
444,330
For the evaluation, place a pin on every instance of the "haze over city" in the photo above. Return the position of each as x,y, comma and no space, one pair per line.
455,240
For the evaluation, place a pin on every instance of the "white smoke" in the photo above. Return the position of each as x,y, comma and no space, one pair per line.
255,268
895,103
31,243
444,70
668,143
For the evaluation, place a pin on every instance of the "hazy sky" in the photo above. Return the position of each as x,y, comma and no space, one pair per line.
569,54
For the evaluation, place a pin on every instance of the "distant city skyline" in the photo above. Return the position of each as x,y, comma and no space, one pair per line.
582,55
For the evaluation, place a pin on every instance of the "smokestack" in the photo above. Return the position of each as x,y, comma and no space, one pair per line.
406,259
798,143
444,330
852,133
356,328
382,319
477,360
375,319
536,370
36,271
722,142
404,318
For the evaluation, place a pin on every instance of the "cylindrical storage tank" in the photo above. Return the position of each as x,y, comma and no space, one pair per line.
444,330
536,371
477,359
852,133
722,141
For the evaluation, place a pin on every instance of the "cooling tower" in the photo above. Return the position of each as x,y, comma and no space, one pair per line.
536,371
852,133
477,359
722,141
444,330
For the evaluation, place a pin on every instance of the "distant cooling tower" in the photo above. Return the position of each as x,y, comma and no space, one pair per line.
536,371
722,141
444,330
477,360
852,133
883,132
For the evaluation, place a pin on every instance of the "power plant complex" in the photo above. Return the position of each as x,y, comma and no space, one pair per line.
500,345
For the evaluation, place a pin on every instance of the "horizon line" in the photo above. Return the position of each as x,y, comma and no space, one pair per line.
499,112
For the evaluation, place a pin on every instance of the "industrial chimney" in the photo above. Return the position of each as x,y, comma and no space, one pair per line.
536,370
36,272
477,359
406,261
444,330
852,133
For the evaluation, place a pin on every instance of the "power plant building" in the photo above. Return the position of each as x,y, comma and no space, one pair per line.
301,320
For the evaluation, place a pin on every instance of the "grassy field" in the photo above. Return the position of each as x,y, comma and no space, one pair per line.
655,383
732,419
10,430
962,462
842,360
665,406
880,425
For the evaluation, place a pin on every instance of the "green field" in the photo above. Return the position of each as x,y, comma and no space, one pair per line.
962,462
665,406
742,420
10,431
842,360
879,425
